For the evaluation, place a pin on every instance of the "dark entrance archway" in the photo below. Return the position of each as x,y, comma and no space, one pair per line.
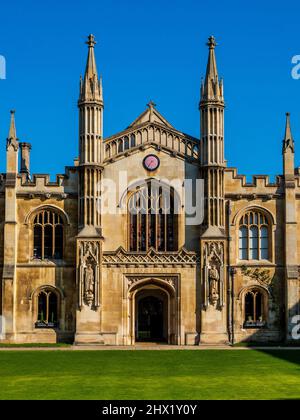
151,316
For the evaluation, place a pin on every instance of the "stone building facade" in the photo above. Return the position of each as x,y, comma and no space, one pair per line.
108,255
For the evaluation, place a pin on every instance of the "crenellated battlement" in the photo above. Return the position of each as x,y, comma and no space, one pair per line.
40,185
43,180
237,186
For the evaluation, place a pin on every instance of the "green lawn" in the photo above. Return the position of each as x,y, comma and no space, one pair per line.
182,374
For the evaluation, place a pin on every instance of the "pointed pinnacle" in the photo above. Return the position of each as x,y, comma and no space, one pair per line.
288,131
12,129
288,141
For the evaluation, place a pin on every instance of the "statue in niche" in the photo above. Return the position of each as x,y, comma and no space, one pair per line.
89,283
213,275
89,275
214,279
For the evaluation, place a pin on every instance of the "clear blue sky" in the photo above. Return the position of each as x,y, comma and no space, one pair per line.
150,50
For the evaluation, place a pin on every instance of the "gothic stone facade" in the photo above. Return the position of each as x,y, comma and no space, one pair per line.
70,272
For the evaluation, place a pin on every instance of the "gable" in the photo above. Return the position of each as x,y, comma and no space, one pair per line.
151,115
151,129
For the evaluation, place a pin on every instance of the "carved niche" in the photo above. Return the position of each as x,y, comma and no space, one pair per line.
213,259
89,274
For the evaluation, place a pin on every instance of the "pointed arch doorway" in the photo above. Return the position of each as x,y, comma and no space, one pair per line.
151,315
153,311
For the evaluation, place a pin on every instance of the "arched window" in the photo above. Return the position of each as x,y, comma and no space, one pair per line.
47,309
153,212
120,146
132,140
126,143
48,235
254,236
254,304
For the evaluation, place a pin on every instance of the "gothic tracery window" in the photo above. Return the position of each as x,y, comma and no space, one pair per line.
48,235
47,309
254,309
254,236
153,219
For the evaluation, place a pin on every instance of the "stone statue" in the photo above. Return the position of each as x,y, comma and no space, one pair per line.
89,274
89,283
213,275
214,279
89,279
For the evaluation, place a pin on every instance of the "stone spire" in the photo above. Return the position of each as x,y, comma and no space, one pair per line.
288,150
212,88
91,147
12,135
290,231
12,128
91,85
288,141
212,144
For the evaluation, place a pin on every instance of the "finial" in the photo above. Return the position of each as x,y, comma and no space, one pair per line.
13,111
211,42
91,41
151,105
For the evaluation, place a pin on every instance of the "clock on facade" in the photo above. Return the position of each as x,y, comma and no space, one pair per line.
151,162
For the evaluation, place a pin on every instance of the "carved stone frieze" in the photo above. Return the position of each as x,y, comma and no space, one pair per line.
171,280
152,257
262,276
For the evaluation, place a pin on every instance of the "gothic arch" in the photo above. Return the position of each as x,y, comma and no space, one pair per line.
30,216
254,207
246,289
60,303
153,217
168,287
132,188
261,229
161,283
265,298
39,289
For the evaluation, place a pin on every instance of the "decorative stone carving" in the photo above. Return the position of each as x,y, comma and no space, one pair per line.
172,281
89,274
12,142
152,257
134,280
262,276
213,274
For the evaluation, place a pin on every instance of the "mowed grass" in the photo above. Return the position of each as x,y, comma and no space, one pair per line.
181,374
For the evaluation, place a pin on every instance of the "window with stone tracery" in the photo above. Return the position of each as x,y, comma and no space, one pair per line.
48,232
254,236
254,309
47,309
153,219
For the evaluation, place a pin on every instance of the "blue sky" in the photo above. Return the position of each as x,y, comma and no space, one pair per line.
150,50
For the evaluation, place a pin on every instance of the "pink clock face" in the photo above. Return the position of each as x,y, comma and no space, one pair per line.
151,162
